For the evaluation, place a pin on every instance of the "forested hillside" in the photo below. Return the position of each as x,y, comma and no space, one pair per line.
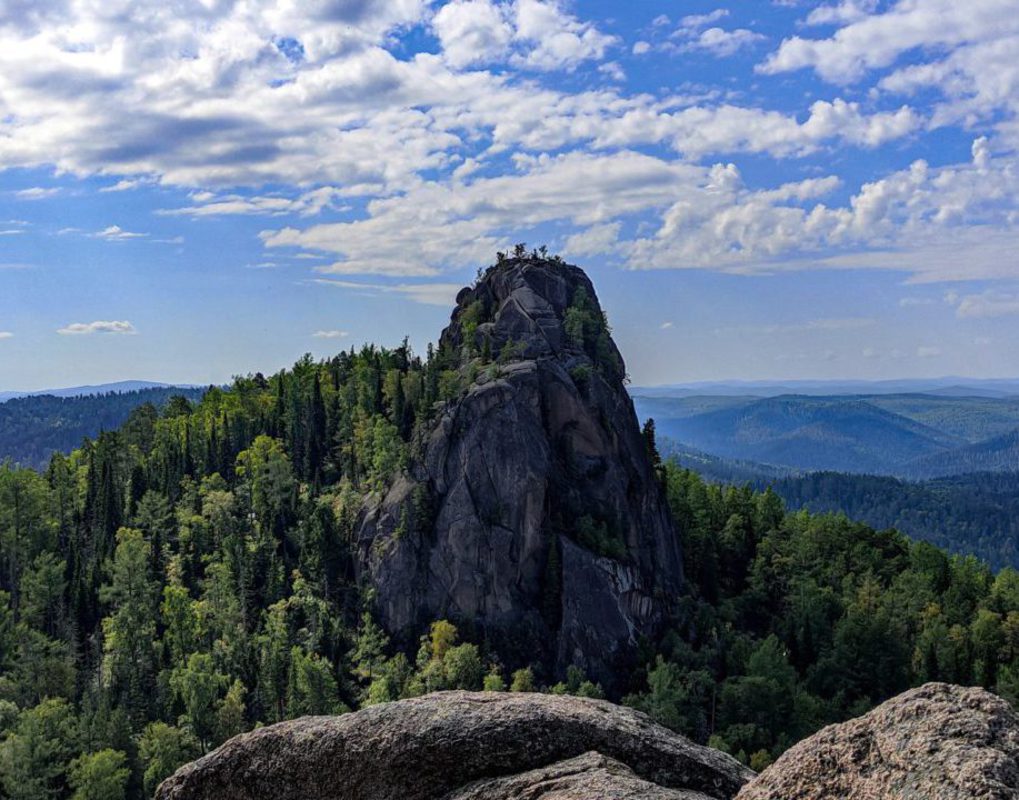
972,514
914,436
32,428
195,573
969,514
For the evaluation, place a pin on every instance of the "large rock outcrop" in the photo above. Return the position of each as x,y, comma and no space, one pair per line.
937,742
531,510
463,746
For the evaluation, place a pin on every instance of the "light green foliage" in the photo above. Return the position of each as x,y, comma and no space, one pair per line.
312,685
494,682
268,480
463,666
199,686
523,680
130,630
162,749
35,755
230,715
100,776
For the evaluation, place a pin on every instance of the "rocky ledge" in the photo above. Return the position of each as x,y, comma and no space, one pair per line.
464,746
937,742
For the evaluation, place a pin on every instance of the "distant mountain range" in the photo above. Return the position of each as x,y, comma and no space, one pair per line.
951,386
118,387
911,435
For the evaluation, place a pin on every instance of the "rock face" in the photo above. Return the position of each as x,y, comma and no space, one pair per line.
463,746
531,511
938,742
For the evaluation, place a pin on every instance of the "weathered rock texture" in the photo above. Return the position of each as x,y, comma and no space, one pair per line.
463,746
938,742
591,775
538,460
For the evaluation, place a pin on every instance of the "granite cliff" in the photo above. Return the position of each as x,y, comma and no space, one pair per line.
531,510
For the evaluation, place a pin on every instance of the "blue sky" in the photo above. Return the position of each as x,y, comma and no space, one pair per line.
759,189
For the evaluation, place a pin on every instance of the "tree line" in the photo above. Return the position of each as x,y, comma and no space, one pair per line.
190,576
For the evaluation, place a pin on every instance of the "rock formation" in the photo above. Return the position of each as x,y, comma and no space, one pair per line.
938,742
531,511
463,746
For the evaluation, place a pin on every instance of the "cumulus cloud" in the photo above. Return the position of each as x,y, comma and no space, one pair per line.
418,163
473,31
873,41
697,32
122,327
442,225
556,39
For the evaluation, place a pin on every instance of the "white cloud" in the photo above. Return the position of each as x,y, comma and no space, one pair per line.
332,334
209,204
665,326
6,335
431,294
991,303
951,223
641,47
12,232
126,185
37,193
843,12
594,241
99,326
533,34
928,352
444,225
114,233
557,39
875,41
696,32
473,31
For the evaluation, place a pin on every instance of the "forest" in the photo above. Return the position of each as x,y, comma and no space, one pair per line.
33,428
189,576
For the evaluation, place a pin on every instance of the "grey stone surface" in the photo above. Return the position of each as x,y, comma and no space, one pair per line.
508,470
937,742
591,775
445,743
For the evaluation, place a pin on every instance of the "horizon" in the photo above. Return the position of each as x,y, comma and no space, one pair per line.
949,381
777,191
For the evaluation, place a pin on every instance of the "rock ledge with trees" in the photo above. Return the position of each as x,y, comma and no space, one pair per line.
532,508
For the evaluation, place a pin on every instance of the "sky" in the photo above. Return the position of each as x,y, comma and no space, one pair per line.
759,190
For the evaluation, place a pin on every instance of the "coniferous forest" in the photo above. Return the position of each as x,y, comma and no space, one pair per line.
189,576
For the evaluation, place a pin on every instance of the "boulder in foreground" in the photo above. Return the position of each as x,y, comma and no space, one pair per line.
937,742
464,746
